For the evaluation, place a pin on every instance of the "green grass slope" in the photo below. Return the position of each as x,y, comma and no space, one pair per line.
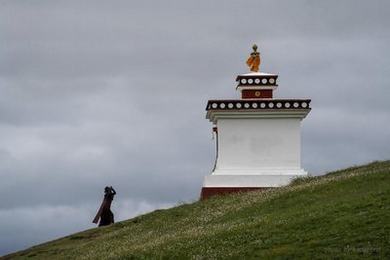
345,214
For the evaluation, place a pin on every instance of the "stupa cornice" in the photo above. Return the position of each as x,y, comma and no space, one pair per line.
215,115
258,104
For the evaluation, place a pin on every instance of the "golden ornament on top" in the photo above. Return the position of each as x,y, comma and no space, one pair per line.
254,60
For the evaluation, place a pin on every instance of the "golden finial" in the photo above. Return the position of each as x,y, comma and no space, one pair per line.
253,61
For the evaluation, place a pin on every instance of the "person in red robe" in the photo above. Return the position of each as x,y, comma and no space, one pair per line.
104,213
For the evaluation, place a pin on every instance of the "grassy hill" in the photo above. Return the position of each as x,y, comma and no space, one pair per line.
345,214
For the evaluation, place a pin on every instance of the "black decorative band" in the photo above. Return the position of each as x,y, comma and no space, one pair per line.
257,80
258,104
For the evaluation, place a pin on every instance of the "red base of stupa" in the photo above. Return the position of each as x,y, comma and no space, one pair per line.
207,192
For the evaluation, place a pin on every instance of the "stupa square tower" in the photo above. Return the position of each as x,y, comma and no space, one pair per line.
258,139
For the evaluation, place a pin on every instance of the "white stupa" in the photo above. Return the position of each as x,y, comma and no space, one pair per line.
258,138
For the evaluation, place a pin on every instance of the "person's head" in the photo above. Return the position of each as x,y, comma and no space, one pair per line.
107,189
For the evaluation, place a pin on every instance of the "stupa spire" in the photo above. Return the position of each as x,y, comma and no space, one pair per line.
254,60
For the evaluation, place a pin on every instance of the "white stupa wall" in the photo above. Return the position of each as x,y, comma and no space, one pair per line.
253,146
257,152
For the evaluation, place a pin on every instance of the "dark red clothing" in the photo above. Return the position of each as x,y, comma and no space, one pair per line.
107,217
105,214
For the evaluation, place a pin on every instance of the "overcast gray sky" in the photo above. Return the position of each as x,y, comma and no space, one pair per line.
96,93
